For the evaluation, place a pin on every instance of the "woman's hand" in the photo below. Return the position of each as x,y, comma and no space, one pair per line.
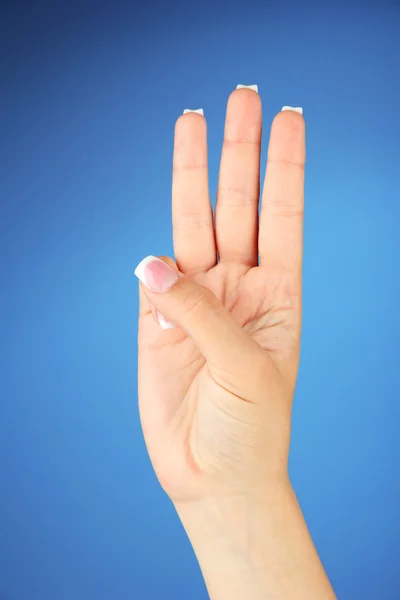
215,390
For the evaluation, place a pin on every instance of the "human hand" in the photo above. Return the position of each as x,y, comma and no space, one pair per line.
215,392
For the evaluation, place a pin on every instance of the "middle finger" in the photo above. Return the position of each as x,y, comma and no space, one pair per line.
236,211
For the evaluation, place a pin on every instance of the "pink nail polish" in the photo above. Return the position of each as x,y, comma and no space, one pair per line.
156,275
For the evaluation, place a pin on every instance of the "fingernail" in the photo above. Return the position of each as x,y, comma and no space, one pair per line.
159,319
249,87
156,275
199,111
164,324
297,109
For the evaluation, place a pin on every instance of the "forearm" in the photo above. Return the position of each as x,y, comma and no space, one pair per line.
256,548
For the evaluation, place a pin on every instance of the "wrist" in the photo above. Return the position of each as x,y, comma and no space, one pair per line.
227,521
255,545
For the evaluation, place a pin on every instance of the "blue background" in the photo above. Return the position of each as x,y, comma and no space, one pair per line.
89,96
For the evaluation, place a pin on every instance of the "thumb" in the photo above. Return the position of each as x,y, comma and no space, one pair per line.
198,312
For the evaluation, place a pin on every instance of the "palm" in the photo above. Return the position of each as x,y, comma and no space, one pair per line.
181,404
176,373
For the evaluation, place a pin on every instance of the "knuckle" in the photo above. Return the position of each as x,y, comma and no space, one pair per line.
283,205
199,301
287,209
233,197
287,164
191,222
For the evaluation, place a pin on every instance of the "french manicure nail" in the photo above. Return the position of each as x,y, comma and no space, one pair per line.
156,275
250,87
160,319
199,111
297,109
164,324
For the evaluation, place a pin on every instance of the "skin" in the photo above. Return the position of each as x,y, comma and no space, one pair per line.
216,391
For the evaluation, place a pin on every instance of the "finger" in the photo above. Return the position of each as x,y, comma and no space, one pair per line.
197,311
192,220
146,307
236,213
281,220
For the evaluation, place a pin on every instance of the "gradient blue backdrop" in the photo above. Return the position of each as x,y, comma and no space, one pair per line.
89,96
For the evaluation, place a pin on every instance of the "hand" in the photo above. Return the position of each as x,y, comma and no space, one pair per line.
215,392
219,337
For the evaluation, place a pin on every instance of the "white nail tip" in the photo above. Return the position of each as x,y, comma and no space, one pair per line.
199,111
139,271
249,87
140,274
297,109
164,324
